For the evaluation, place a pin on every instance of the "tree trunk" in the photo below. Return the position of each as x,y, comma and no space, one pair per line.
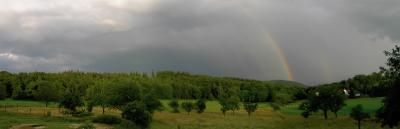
325,114
359,124
103,109
335,114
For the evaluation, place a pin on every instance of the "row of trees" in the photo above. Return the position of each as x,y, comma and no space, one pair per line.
372,85
167,85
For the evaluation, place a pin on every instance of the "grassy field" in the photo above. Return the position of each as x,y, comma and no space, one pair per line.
264,118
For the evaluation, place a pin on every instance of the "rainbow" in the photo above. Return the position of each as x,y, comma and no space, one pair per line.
270,40
281,56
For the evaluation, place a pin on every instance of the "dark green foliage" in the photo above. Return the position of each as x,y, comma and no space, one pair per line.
107,119
200,105
174,105
71,100
137,113
325,99
97,95
187,106
358,114
46,91
282,98
389,113
7,80
123,92
231,103
275,106
3,92
337,102
164,85
126,124
152,103
250,107
89,106
307,109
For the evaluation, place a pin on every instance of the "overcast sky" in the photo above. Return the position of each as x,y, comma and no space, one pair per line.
321,41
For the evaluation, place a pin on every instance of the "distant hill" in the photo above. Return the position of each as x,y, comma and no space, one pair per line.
286,83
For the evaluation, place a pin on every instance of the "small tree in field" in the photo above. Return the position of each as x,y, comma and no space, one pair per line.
337,102
47,91
187,106
152,103
324,99
200,105
233,104
358,114
97,95
137,113
250,107
174,105
224,106
71,100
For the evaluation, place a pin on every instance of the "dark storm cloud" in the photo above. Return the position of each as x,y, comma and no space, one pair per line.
323,41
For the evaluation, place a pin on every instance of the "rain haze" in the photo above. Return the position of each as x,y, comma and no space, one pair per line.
309,41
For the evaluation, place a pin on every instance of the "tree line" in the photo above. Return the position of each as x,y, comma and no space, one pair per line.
166,85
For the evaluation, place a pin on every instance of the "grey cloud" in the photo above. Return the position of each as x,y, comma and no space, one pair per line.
323,41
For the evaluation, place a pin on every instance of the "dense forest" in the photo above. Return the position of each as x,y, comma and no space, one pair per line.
166,85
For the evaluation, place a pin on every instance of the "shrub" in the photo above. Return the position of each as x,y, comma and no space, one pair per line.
152,103
125,124
3,91
282,98
137,113
200,105
174,105
107,119
187,106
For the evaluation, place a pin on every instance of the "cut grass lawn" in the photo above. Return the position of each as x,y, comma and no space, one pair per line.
263,118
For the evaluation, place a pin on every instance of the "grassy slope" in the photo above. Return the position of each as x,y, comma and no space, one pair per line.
264,118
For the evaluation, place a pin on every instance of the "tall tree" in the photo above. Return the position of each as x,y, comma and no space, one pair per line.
389,113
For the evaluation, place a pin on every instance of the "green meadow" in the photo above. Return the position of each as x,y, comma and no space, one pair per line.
264,118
